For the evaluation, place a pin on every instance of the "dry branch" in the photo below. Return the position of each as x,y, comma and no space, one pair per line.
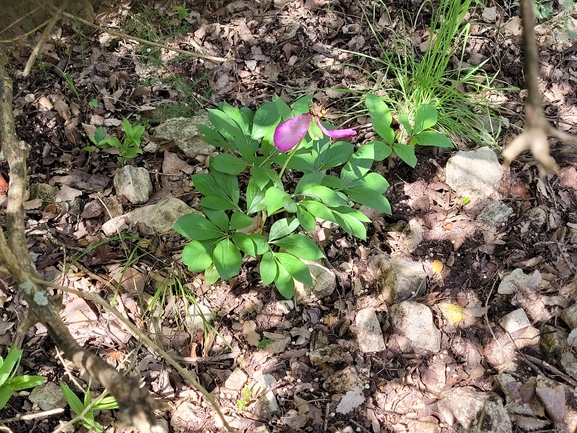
137,405
537,128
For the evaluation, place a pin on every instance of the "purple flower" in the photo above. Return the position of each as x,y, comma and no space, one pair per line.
289,133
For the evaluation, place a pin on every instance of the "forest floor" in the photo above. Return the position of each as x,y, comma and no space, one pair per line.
86,78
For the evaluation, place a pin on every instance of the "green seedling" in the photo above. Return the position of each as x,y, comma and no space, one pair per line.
129,147
419,132
9,382
245,399
84,409
93,103
264,343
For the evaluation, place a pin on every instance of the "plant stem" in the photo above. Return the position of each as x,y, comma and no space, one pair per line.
292,152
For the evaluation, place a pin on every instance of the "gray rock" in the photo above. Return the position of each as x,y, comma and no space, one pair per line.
133,183
184,418
344,380
475,173
369,334
415,322
515,321
197,318
464,407
185,134
495,215
48,396
267,404
400,279
159,217
237,380
569,316
324,284
511,283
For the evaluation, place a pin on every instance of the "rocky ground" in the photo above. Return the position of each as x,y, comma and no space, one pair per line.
456,314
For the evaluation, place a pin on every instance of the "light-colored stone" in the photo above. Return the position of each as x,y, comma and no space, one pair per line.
495,215
474,173
415,322
514,321
237,380
369,334
569,316
324,284
48,396
158,217
343,381
184,418
267,404
511,283
462,408
185,134
133,183
400,279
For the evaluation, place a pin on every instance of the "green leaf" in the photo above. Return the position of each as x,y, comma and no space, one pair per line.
261,243
359,164
324,194
227,259
24,382
253,244
197,227
72,399
223,122
336,155
106,403
266,119
99,135
376,182
227,163
5,394
380,117
283,109
365,195
9,364
229,184
289,204
433,138
425,118
284,283
382,150
268,268
301,105
213,137
239,220
306,220
206,185
300,246
255,197
213,202
219,218
211,275
351,225
295,267
274,199
406,153
405,122
318,210
196,256
308,180
282,228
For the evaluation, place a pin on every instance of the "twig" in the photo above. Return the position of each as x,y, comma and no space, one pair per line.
136,403
549,367
44,37
146,340
9,41
144,41
538,128
31,416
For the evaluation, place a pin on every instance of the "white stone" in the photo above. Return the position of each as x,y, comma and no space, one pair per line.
48,396
236,380
369,334
185,134
400,278
515,321
324,284
197,317
133,183
474,173
184,418
494,215
159,217
511,283
415,322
